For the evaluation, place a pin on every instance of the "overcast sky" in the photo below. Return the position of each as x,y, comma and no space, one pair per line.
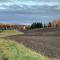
28,11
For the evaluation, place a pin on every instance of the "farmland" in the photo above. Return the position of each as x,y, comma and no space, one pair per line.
43,41
11,50
46,42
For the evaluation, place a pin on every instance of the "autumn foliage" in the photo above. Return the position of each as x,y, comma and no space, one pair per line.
7,26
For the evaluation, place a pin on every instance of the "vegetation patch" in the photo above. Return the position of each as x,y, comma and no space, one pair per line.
5,33
10,50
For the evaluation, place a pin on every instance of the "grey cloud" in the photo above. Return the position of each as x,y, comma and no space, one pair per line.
34,10
16,5
31,0
43,0
41,12
4,0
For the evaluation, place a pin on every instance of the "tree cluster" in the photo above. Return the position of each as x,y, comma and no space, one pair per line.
7,27
36,25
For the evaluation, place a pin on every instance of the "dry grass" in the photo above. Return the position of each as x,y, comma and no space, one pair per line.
6,33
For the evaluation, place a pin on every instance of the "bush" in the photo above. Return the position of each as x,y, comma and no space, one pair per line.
1,31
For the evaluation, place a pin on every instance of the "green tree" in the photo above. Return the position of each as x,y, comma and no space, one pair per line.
36,25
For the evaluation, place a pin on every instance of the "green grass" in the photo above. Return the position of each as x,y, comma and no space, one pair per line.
6,33
10,50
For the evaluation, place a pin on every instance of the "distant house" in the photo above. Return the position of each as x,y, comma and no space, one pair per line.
56,23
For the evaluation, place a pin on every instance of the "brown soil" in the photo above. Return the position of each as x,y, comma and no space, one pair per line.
49,46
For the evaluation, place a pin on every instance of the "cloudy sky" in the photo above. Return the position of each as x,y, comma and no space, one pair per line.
28,11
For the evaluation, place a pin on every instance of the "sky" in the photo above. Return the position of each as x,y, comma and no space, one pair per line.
29,11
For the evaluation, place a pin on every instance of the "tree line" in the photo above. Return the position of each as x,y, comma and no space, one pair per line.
41,25
36,25
7,27
21,27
